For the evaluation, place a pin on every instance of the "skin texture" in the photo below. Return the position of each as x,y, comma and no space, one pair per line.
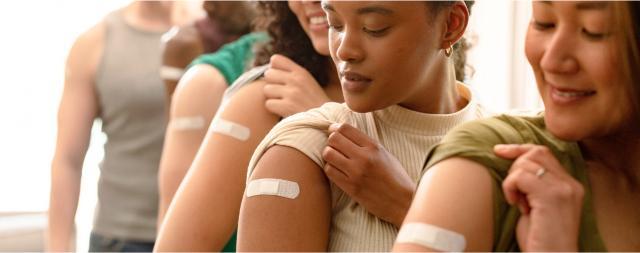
77,111
215,182
352,47
199,94
570,46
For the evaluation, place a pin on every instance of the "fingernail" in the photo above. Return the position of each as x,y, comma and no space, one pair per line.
334,126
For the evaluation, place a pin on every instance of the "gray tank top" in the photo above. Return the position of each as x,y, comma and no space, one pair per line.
131,99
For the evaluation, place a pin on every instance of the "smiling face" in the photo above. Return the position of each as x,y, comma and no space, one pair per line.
571,47
314,22
386,53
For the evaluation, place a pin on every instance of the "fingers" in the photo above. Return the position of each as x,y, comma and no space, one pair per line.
539,154
276,76
336,176
278,107
517,185
343,144
511,151
353,134
335,157
274,91
282,62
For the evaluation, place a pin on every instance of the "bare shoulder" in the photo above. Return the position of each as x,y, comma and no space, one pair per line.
199,90
181,45
182,37
84,56
249,102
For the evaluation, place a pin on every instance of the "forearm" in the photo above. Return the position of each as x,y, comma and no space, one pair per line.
65,190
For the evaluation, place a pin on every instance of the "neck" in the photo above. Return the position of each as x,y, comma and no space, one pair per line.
441,87
619,155
150,15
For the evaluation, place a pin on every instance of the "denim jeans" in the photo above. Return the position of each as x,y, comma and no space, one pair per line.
100,243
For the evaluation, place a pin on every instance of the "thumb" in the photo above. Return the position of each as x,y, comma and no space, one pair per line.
281,62
510,151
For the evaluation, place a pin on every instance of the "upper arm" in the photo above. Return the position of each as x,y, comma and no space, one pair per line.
79,102
271,223
180,48
197,98
216,179
455,194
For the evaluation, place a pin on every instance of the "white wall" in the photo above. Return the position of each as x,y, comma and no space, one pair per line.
502,77
37,36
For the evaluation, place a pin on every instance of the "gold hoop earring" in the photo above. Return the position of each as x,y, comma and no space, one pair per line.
448,51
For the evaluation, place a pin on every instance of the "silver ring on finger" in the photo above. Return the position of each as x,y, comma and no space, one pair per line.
540,172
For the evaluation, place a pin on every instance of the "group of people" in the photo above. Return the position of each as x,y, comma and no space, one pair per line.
347,126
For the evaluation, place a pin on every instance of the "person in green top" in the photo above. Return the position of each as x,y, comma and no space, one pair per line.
195,102
566,180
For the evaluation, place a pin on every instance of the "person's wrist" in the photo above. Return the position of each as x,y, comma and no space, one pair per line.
403,209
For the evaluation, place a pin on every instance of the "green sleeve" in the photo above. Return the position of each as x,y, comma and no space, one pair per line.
474,141
232,59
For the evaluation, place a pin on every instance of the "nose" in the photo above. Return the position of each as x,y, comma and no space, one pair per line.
348,46
559,56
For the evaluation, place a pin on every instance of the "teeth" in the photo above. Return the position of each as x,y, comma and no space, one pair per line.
574,94
319,20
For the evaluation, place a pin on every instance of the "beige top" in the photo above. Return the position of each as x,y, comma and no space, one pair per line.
408,135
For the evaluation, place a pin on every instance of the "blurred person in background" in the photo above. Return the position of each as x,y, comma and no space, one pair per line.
112,74
226,21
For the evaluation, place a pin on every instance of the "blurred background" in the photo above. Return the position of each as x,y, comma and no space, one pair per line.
38,35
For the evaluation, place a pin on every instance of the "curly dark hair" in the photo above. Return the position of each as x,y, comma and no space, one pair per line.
289,39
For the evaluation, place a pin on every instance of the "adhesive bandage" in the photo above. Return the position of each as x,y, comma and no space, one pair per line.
432,237
274,187
187,123
229,128
171,73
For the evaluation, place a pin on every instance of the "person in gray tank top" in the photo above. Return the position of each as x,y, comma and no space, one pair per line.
112,73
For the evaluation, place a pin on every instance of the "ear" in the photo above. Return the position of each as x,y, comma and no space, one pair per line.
456,24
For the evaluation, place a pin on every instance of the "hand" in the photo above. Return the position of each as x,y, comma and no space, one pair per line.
290,88
369,174
549,199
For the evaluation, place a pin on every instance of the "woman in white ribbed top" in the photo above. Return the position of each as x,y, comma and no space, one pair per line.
401,98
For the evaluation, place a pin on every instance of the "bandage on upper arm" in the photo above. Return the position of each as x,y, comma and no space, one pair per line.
431,236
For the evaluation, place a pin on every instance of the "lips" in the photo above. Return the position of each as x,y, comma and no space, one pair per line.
565,96
354,82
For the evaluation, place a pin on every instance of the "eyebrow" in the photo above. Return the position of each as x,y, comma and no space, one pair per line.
362,11
588,5
592,5
374,9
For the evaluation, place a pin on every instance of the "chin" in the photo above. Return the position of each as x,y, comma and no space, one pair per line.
362,106
565,130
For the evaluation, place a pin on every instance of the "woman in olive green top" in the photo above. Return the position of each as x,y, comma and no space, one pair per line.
567,180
